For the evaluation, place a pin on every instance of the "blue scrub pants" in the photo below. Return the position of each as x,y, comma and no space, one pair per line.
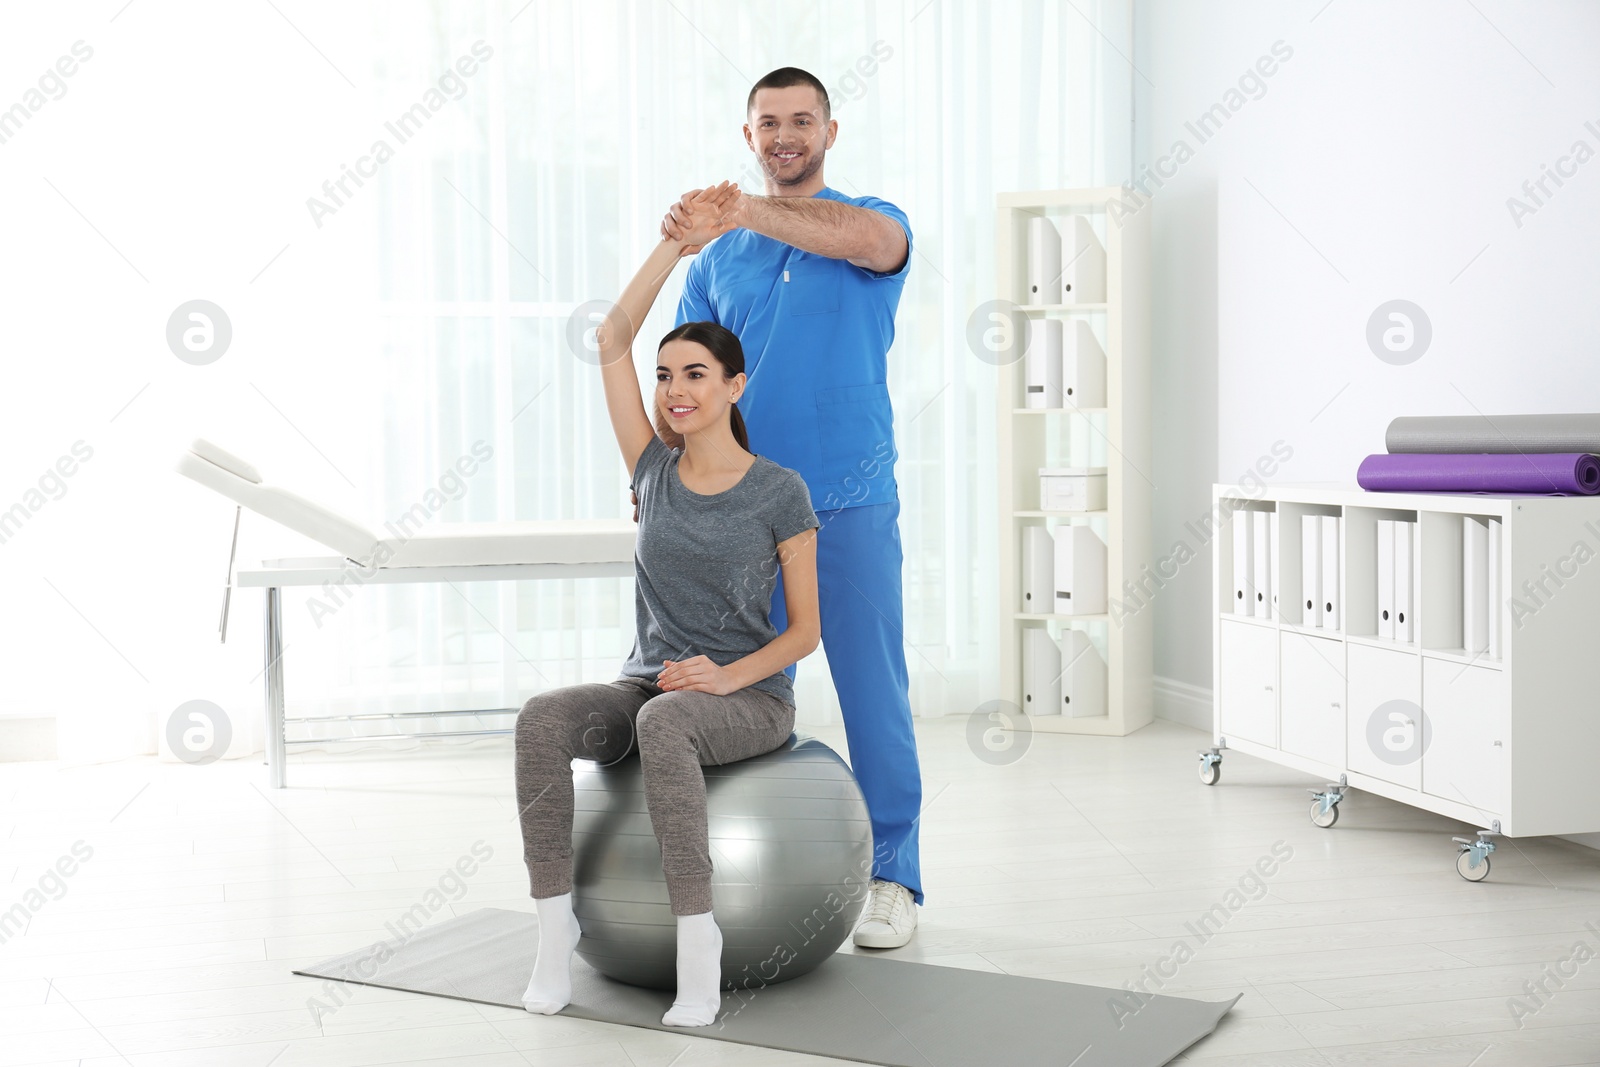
858,586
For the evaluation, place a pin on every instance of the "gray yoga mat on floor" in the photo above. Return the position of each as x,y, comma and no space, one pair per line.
1579,432
852,1007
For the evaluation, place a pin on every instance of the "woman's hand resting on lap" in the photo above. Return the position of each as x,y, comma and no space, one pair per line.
699,674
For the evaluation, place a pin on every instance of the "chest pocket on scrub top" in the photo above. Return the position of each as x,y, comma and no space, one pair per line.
812,288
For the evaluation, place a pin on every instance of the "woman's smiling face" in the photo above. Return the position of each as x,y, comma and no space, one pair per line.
691,391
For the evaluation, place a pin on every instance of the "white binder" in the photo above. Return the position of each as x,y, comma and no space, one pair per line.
1276,570
1038,570
1083,270
1261,546
1405,536
1332,607
1044,261
1244,592
1386,578
1474,584
1083,372
1497,591
1041,672
1080,571
1083,676
1311,570
1042,364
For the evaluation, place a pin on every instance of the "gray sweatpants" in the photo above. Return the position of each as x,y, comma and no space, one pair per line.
676,731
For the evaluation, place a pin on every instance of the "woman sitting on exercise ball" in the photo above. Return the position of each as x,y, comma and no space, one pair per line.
705,682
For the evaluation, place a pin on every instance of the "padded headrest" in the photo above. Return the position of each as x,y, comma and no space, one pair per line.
321,524
224,459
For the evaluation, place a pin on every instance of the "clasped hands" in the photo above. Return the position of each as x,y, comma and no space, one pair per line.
702,215
700,673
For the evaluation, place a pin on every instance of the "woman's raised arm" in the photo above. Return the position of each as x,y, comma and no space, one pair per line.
615,335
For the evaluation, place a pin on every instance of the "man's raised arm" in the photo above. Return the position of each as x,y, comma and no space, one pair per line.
869,239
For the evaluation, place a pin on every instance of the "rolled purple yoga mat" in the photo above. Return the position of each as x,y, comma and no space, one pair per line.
1567,473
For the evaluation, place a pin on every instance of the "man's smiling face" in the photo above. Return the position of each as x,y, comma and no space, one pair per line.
787,133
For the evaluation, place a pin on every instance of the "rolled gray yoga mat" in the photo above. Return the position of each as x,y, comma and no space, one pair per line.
1579,432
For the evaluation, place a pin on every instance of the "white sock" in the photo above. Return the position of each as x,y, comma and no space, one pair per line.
699,972
550,988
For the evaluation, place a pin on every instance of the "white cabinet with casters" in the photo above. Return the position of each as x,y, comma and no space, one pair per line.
1383,689
1470,719
1500,733
1249,677
1312,716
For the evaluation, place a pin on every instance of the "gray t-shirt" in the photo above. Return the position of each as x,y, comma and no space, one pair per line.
706,564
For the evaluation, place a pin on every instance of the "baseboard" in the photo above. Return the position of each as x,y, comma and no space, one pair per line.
1182,703
27,740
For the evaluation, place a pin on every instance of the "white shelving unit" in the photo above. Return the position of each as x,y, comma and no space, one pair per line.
1115,436
1509,743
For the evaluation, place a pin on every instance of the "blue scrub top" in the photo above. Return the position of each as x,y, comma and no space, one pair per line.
816,333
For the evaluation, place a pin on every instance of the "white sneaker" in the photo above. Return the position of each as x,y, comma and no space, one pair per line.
890,917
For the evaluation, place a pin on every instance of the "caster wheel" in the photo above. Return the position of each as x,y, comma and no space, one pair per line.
1470,873
1322,818
1211,774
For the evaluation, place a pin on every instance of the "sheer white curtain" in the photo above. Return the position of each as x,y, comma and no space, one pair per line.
541,188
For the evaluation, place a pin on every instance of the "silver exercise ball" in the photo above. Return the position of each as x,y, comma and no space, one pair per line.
791,858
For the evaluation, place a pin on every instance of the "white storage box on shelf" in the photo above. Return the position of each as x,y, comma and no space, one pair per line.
1072,488
1505,742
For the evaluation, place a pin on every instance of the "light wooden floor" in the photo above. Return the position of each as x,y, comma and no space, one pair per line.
1082,861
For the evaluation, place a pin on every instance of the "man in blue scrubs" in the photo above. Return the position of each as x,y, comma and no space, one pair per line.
810,281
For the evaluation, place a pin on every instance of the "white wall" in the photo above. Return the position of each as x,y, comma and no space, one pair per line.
1374,163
